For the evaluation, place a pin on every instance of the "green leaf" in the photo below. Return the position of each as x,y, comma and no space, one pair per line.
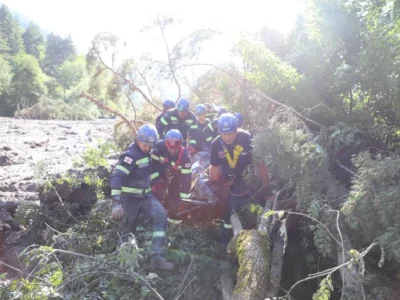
269,213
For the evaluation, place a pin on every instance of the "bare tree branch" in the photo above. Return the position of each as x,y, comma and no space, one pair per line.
291,109
130,83
211,65
172,70
103,106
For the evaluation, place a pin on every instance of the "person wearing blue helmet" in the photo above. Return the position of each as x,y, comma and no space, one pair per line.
184,120
210,132
170,154
231,154
131,193
239,117
167,106
203,121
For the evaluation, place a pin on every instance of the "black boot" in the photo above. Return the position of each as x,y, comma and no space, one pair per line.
161,263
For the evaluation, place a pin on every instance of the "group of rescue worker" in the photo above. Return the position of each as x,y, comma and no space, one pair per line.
139,171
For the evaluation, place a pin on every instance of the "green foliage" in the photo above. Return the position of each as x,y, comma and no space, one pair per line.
48,73
266,70
291,154
28,81
58,50
71,72
11,39
5,75
49,109
97,156
34,41
81,260
325,289
372,207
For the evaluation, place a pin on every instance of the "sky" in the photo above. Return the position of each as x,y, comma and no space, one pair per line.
83,19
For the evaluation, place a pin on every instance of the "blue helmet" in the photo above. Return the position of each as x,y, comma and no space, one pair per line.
173,139
227,123
239,117
201,109
183,105
147,134
174,134
169,103
222,110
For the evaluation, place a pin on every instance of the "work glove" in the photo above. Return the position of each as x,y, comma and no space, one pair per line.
192,150
116,198
118,212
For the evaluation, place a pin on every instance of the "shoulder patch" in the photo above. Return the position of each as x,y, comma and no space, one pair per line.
188,165
128,160
221,154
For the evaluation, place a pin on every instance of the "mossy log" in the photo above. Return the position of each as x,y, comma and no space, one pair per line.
251,247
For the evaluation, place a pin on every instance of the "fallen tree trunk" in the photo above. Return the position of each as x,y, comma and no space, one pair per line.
352,287
276,268
251,247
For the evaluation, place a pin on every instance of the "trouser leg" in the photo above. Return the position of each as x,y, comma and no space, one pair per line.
131,208
173,196
234,203
153,210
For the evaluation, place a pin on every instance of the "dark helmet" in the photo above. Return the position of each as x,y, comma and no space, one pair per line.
183,105
169,103
147,134
227,123
239,117
222,110
200,109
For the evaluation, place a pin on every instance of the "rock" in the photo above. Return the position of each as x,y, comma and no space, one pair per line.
6,148
7,222
31,187
5,161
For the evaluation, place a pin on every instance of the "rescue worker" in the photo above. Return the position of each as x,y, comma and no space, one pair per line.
231,154
131,193
184,120
201,113
169,154
239,117
209,111
167,106
211,130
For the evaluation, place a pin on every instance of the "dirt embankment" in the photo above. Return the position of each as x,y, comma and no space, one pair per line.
30,147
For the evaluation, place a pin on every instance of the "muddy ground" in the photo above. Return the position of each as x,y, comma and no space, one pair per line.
30,148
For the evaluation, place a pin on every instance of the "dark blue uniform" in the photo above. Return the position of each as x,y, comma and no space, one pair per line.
210,132
233,160
187,126
201,144
180,167
131,180
158,120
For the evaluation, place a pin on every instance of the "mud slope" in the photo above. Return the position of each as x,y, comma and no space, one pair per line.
28,145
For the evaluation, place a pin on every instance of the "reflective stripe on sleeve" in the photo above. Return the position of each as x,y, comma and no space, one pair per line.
186,171
157,234
183,195
164,121
121,168
115,192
